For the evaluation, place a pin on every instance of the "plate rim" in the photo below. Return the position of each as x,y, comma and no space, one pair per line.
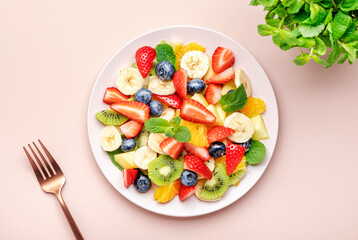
151,32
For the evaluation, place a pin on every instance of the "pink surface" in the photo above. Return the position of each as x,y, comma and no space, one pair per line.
50,55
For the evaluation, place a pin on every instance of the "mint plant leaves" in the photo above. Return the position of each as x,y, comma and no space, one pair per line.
313,27
234,101
256,153
170,129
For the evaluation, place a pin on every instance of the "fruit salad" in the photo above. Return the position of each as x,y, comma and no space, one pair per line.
183,121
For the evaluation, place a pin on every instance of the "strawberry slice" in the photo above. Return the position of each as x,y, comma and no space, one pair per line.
194,111
144,58
186,192
197,165
180,80
131,128
129,176
213,93
172,100
222,77
201,152
234,155
223,58
219,133
171,147
113,95
133,110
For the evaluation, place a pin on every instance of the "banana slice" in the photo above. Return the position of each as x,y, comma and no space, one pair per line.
241,77
168,114
110,138
196,63
243,126
129,81
160,87
154,140
143,156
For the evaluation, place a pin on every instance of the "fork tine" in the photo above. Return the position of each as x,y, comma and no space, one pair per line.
38,174
50,171
52,160
44,172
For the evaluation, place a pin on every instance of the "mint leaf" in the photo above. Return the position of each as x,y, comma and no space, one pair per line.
265,30
234,101
170,131
320,47
156,125
318,60
111,156
165,52
334,55
306,42
340,25
256,153
302,59
349,5
317,13
176,121
309,30
295,7
182,134
288,37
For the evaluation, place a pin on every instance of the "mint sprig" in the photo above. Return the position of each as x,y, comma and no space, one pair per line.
235,100
315,25
170,129
256,153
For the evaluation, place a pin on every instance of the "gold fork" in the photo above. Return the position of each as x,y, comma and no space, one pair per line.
51,179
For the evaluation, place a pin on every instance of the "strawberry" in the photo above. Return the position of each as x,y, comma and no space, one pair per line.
113,95
172,100
222,77
213,93
194,111
219,133
223,58
186,192
234,154
144,58
171,147
131,128
180,82
197,165
201,152
133,110
129,176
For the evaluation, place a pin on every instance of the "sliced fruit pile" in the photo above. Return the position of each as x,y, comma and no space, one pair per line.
183,121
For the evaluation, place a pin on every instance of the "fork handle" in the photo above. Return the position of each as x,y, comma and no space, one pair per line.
69,217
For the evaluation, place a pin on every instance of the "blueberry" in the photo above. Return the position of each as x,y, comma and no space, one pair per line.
156,108
217,149
142,183
247,145
143,96
128,144
195,86
230,91
189,178
165,70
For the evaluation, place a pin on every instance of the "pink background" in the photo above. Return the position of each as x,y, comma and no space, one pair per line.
50,55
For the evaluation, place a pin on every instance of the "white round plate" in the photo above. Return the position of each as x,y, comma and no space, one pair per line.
211,40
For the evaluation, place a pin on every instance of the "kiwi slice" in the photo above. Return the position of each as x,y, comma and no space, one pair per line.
164,170
236,176
143,138
111,117
216,187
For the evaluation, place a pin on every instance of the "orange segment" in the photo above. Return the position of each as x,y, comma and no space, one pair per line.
199,133
254,106
166,193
